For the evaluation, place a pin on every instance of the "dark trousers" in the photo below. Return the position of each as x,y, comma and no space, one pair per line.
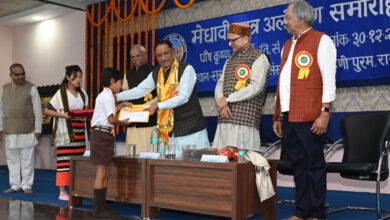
305,150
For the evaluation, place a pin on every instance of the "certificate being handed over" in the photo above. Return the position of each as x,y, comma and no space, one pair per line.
135,113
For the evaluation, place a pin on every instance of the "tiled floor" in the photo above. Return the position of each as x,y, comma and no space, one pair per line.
13,209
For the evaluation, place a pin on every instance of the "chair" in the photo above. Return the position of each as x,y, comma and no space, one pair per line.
365,152
284,165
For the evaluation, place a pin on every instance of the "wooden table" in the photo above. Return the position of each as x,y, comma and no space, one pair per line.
126,183
221,189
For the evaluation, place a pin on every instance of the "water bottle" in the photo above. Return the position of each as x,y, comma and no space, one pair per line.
241,152
115,151
154,140
162,150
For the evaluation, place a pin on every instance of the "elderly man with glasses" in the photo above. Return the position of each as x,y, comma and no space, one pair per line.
241,91
305,92
20,128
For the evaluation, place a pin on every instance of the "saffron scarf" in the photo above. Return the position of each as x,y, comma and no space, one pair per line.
165,91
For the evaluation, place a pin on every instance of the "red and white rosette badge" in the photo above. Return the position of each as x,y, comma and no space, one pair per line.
303,60
243,72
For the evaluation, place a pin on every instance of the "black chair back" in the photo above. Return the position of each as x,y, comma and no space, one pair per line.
284,164
364,141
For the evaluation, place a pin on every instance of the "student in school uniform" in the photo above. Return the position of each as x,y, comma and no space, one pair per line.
102,137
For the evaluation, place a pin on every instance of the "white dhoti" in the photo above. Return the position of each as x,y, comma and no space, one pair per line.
20,161
231,135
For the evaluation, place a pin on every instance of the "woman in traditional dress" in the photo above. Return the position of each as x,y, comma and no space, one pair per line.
68,133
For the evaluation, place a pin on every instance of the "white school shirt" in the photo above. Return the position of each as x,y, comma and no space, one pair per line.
104,107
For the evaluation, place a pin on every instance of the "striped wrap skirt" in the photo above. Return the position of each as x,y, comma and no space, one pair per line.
75,148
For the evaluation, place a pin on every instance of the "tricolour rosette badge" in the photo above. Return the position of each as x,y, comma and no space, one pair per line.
303,60
243,72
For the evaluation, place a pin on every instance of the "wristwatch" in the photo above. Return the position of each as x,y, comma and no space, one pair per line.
325,109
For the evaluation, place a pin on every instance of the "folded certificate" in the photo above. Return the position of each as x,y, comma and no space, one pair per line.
135,113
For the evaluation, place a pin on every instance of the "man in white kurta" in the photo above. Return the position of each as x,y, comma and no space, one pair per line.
19,145
240,92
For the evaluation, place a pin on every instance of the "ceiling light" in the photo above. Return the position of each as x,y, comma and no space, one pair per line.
37,18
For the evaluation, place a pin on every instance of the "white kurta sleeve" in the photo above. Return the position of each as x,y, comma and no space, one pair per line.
187,84
327,55
144,88
257,81
36,101
218,93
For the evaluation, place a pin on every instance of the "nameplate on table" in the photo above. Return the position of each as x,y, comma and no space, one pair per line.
87,153
214,158
149,155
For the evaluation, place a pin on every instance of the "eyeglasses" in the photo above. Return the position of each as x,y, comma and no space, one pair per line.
288,18
19,74
233,40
